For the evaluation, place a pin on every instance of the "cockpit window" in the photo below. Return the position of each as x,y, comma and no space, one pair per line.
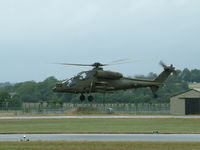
68,82
83,76
72,81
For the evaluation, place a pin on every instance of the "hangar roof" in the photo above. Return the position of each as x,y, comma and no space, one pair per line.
191,93
197,90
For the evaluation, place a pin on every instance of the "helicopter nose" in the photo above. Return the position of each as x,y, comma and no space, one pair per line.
58,87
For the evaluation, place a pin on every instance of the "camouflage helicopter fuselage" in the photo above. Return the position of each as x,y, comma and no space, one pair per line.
100,81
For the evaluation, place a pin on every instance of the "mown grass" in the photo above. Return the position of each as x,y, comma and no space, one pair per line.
194,85
61,145
100,125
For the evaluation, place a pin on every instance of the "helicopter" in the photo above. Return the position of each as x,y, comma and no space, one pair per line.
98,80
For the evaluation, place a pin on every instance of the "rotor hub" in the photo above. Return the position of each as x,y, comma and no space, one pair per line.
97,65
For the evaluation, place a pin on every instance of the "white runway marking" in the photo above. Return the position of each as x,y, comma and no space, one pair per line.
95,117
102,137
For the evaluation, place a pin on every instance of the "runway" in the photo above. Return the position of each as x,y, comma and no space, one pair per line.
96,117
103,137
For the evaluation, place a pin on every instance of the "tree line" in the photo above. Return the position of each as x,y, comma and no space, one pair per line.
31,91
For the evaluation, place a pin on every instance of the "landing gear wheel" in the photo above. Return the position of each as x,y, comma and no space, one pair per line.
82,97
155,96
90,98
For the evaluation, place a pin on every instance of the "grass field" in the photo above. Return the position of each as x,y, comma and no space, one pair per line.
100,126
194,85
99,145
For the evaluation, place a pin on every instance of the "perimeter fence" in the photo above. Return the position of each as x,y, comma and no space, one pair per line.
88,108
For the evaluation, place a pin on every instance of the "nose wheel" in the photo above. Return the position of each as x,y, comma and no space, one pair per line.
82,97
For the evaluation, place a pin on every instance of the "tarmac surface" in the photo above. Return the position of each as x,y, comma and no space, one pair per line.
92,117
102,137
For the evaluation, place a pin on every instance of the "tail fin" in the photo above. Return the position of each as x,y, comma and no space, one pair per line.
165,74
162,77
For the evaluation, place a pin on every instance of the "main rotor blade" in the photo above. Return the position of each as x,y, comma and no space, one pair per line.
97,64
74,64
121,61
117,61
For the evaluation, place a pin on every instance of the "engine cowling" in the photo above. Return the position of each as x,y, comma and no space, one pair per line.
108,74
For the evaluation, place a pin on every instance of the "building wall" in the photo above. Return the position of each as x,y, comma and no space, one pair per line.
177,103
177,106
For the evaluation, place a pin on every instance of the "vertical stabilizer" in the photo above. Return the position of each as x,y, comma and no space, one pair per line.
162,77
165,74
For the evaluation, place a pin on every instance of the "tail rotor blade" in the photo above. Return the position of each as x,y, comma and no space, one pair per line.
163,64
169,68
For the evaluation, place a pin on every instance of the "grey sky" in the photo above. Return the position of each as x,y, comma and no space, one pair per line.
34,33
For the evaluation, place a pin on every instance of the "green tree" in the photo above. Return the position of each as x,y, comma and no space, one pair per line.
4,98
28,91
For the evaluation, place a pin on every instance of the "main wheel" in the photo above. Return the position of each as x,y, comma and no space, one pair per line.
155,96
90,98
82,97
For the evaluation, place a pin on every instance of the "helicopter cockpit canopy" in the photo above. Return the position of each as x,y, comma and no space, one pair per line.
81,76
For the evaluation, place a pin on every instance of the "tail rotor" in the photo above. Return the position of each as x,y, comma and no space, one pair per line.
170,68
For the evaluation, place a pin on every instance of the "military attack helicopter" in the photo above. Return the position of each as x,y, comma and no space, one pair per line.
98,80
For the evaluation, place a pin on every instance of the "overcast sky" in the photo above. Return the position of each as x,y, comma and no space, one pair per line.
35,33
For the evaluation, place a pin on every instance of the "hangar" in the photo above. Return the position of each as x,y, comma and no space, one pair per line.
186,103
